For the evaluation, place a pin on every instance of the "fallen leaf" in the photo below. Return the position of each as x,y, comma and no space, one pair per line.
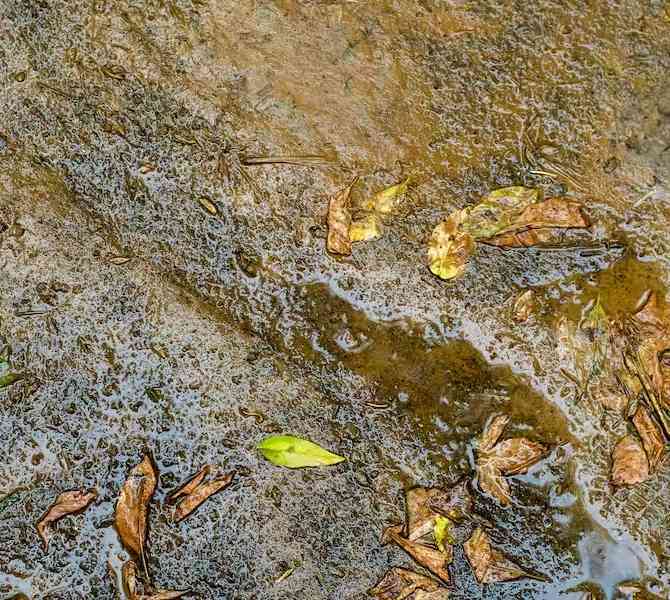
629,462
431,558
523,306
339,221
208,205
385,201
130,518
651,436
552,213
496,459
130,586
294,452
402,584
67,503
449,249
522,239
365,229
442,533
190,486
425,505
9,379
199,494
490,565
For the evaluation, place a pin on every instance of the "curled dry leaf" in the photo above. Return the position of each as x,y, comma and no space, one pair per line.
132,507
67,503
434,560
365,229
195,492
424,506
651,436
629,462
508,457
522,239
449,249
339,221
401,584
523,306
130,586
490,565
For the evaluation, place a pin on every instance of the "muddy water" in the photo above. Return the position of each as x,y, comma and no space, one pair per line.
119,116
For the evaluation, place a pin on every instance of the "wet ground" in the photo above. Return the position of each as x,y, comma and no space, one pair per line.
141,321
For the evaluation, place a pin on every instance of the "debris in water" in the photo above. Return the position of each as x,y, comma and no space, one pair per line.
119,260
436,561
195,492
132,507
365,229
651,436
339,221
449,249
490,565
523,306
130,585
386,200
208,205
629,462
294,452
425,506
508,457
67,503
403,584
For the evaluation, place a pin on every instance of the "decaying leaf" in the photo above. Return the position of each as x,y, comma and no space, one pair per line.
424,506
431,558
523,306
522,239
132,507
131,581
488,564
365,229
403,584
67,503
339,221
385,201
508,457
195,492
629,462
651,436
449,249
294,452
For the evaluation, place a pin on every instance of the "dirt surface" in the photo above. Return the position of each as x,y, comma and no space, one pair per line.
143,322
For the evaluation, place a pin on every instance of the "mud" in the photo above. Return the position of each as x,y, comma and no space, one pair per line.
142,321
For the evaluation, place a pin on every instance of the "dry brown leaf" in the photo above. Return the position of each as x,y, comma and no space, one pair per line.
492,482
401,584
515,455
552,213
489,565
629,462
492,432
431,558
522,239
651,436
130,585
199,494
67,503
132,507
191,484
523,306
339,221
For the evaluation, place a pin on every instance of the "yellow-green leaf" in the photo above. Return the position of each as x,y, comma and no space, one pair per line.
365,229
442,532
449,249
294,452
385,201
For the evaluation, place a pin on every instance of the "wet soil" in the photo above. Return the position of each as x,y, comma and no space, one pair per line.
142,321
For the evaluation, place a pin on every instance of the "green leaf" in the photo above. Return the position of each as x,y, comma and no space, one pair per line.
294,452
9,379
442,532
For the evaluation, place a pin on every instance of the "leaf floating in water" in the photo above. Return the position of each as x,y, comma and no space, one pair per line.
449,249
509,457
132,507
629,462
403,584
434,560
294,452
365,229
339,222
424,506
386,201
130,586
67,503
195,492
651,436
523,306
490,565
